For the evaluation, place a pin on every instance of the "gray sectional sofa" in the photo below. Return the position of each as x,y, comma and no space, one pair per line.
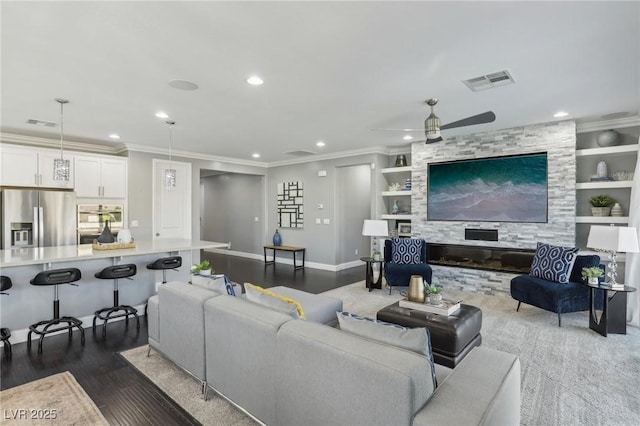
284,371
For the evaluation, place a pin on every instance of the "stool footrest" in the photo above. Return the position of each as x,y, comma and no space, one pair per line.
47,329
113,312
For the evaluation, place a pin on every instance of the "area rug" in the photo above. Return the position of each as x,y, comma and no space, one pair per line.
57,399
570,375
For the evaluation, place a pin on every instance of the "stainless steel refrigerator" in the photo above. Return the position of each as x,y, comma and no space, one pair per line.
33,218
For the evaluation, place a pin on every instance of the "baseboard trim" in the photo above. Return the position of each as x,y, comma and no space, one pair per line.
285,261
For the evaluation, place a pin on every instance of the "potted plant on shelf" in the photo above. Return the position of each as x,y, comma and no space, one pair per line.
202,268
591,274
601,205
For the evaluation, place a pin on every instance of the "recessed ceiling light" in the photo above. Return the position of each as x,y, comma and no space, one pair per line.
256,155
320,144
161,114
183,85
254,80
407,137
114,136
560,114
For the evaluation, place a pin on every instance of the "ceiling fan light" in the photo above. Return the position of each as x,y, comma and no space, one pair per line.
432,129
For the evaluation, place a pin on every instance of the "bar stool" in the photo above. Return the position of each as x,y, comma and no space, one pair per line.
5,333
164,263
116,311
55,277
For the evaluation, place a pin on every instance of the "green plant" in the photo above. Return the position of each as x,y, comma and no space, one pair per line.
591,272
601,201
202,266
435,290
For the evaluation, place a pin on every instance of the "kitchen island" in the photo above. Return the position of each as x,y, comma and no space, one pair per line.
26,304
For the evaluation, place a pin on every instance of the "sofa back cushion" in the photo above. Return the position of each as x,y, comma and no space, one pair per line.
240,338
362,381
553,263
414,339
583,261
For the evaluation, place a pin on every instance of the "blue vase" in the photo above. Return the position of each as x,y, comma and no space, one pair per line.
277,239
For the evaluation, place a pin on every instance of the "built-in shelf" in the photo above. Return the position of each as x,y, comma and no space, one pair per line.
396,216
604,185
396,169
395,193
602,219
620,149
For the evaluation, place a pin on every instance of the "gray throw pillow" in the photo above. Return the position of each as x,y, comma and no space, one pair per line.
256,296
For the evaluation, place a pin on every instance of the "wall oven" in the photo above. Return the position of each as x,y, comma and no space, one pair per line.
92,218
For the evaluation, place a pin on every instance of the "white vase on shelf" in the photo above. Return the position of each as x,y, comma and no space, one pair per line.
616,210
601,169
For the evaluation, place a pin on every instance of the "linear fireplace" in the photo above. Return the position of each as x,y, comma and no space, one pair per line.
480,257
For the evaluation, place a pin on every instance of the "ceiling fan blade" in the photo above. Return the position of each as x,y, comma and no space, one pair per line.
485,117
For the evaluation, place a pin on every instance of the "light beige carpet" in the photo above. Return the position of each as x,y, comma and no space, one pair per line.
54,400
570,375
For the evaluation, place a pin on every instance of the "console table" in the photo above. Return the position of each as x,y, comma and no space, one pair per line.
291,249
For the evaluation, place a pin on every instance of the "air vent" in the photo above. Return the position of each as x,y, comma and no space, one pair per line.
500,78
40,123
300,153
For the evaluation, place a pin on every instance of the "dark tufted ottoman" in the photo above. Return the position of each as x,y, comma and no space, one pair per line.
452,337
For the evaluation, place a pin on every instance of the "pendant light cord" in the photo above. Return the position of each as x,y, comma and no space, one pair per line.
170,123
61,102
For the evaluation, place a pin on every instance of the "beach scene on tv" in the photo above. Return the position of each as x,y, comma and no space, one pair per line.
497,189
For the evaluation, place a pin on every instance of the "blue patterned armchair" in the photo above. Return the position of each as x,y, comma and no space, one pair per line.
404,257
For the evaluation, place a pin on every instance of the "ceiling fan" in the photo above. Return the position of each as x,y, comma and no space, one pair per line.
432,125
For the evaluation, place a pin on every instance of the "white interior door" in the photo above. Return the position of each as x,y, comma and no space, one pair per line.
171,207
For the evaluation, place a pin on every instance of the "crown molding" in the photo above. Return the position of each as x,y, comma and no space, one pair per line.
608,124
119,148
194,155
55,143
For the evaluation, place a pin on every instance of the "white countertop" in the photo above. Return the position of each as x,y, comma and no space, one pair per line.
42,255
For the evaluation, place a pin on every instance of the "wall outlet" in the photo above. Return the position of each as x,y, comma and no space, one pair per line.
318,222
134,224
326,221
355,251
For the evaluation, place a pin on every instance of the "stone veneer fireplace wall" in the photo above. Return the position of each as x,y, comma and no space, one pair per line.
558,139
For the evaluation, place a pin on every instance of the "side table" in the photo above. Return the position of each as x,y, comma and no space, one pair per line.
614,312
369,273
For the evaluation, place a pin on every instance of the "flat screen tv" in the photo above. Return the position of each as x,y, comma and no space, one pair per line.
495,189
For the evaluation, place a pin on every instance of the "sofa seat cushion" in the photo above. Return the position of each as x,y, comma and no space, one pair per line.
549,295
317,307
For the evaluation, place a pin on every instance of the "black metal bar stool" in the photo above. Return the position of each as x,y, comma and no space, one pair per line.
5,333
55,277
164,263
115,273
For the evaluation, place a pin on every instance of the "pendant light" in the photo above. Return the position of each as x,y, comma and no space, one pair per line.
432,124
61,167
170,173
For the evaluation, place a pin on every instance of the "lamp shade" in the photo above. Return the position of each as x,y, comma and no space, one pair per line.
375,228
617,238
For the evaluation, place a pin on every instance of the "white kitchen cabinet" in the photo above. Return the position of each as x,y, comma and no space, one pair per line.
31,167
101,177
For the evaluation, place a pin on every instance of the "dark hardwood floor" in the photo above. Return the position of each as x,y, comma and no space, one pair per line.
123,395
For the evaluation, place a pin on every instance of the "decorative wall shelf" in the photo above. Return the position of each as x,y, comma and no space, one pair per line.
396,170
395,193
604,185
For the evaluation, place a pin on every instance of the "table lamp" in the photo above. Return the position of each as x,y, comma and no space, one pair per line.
613,239
375,229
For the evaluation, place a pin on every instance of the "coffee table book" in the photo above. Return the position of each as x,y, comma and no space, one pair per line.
447,307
